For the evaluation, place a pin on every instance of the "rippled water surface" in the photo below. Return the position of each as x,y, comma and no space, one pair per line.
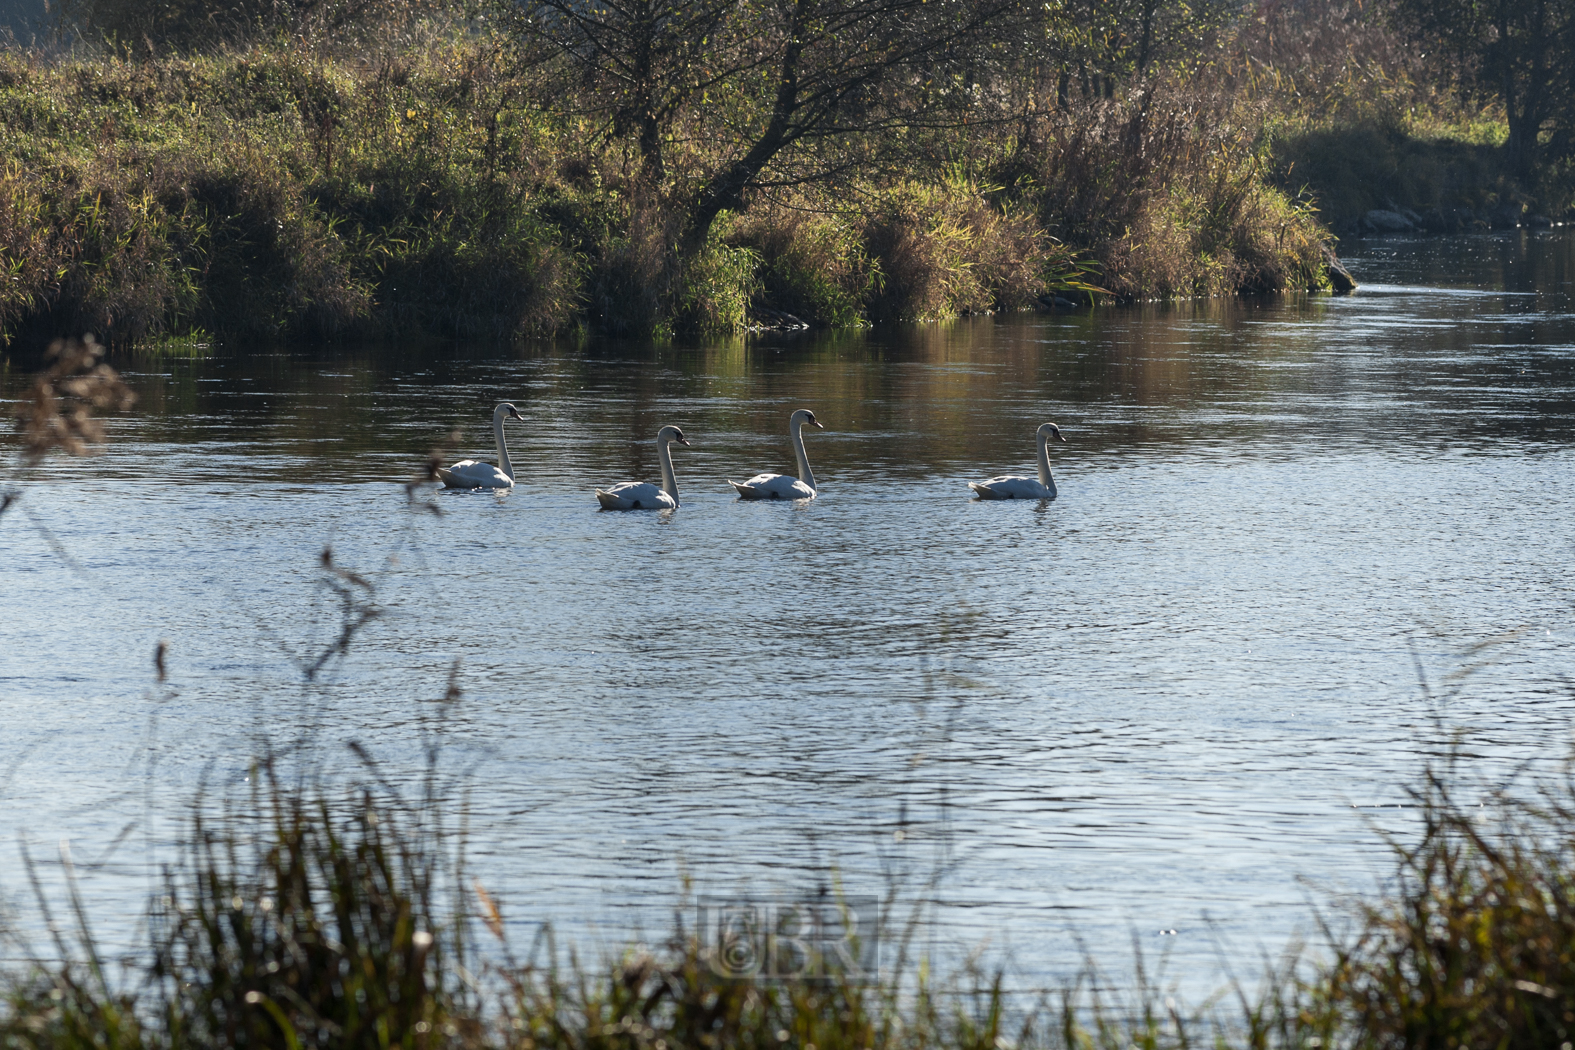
1175,698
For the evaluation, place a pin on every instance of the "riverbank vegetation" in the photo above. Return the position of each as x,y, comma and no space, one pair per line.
373,169
275,192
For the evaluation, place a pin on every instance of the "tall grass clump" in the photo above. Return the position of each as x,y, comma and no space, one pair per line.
1474,945
303,917
813,263
717,287
1167,190
946,249
306,915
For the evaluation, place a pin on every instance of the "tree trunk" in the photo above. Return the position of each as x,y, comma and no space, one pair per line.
1147,42
652,168
1524,102
726,189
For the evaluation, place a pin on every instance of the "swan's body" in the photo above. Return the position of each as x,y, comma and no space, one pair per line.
473,473
784,486
642,495
1015,486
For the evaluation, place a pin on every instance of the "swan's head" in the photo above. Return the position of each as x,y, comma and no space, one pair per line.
803,416
670,434
1050,430
507,411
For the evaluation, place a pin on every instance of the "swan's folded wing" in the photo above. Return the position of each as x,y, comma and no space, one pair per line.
474,473
633,495
777,486
1009,486
755,487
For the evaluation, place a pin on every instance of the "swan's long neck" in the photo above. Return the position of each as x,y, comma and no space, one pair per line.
805,475
664,453
1044,462
503,450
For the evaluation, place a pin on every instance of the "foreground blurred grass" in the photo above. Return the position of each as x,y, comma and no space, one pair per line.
311,916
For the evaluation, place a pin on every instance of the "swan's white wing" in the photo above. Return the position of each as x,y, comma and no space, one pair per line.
773,486
1010,486
635,495
474,474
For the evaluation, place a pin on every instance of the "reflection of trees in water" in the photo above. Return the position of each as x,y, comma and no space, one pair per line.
948,398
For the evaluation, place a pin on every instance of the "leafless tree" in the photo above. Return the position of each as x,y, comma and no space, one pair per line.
642,61
767,83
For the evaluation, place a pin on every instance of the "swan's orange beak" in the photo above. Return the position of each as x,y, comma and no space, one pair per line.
683,441
818,423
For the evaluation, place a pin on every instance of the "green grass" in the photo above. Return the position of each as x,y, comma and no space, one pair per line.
1352,168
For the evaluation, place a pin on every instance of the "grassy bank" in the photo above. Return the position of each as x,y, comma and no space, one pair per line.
1443,179
279,191
1363,115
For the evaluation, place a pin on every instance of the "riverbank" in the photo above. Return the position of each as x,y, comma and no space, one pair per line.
1375,178
278,192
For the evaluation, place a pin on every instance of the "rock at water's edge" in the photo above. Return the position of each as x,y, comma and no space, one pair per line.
1383,221
1505,216
1340,278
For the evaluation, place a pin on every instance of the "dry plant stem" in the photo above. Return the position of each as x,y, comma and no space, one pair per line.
58,412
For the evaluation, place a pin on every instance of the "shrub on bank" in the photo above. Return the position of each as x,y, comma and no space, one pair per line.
945,250
1166,189
716,288
277,191
814,265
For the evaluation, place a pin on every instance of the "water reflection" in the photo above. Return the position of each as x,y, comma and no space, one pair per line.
1156,698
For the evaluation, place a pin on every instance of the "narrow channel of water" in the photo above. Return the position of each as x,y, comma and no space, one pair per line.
1177,698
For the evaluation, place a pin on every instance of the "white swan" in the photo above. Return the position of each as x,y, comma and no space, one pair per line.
783,486
1013,486
474,474
642,495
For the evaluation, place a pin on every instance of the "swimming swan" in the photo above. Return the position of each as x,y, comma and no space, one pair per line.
474,474
781,486
642,495
1012,486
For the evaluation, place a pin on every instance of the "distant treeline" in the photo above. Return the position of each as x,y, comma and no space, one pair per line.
376,168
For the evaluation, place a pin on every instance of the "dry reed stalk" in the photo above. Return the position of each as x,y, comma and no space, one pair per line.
58,412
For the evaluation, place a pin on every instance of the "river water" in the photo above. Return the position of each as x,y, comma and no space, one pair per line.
1185,696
